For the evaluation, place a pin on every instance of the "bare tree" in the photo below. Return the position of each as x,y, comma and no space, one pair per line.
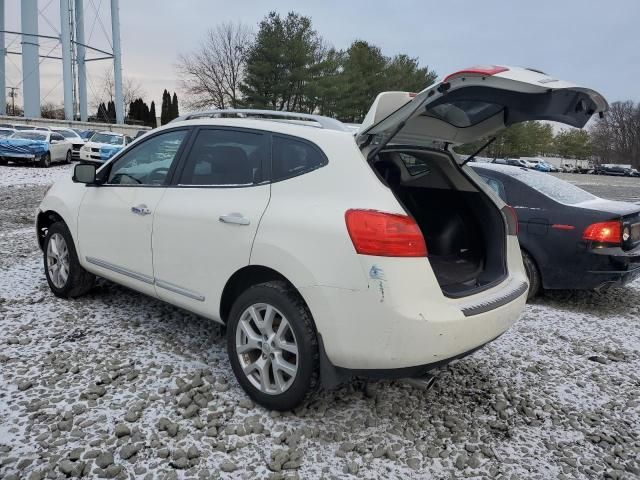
131,90
211,75
616,137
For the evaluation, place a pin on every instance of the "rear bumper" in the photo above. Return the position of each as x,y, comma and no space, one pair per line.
593,269
363,331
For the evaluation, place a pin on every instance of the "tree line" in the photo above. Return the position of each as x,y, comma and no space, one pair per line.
287,65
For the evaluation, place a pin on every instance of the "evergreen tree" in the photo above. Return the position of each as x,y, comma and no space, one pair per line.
175,111
111,112
165,110
281,63
151,120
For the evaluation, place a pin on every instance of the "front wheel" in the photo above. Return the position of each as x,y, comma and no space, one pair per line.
65,275
67,159
533,274
272,346
45,160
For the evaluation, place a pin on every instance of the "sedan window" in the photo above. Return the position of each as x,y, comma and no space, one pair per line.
497,186
225,157
148,162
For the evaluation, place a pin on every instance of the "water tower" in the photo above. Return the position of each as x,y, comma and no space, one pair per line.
75,55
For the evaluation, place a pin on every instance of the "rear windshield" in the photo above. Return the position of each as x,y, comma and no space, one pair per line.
67,133
558,190
108,138
464,113
30,135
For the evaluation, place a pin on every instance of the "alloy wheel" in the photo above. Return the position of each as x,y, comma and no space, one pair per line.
267,348
58,260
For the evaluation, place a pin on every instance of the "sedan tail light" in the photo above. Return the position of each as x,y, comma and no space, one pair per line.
385,234
603,232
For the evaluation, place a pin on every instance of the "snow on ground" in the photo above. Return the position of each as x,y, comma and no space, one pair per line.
14,175
119,385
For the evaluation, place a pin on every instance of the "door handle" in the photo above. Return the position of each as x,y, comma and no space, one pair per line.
141,209
234,218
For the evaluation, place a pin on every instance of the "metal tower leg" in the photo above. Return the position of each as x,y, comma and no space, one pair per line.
80,55
30,65
65,38
117,60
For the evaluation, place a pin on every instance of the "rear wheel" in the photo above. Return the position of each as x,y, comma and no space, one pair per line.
45,160
533,274
272,346
65,275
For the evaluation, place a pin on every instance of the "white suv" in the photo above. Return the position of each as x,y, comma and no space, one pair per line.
326,254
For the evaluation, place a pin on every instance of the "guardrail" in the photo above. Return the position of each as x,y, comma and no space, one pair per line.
130,130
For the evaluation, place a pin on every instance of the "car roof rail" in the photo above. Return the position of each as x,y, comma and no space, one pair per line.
310,120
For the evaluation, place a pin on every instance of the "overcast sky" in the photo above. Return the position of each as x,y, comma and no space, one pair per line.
594,43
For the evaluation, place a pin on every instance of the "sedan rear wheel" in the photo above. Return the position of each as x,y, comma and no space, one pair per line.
272,345
45,160
533,275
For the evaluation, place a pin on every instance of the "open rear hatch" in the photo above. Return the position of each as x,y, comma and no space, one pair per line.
463,228
475,103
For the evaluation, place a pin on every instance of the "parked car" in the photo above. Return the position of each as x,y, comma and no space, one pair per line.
6,132
518,162
37,147
570,239
103,145
539,165
320,251
614,170
77,142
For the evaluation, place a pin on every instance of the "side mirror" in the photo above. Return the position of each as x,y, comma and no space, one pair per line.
85,173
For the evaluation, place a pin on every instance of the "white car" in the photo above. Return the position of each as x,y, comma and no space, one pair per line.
103,145
77,142
39,147
325,254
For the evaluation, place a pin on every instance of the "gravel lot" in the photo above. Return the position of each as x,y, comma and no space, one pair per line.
118,385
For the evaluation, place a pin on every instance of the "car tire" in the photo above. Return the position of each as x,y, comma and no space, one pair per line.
65,275
45,160
533,275
256,347
67,158
3,161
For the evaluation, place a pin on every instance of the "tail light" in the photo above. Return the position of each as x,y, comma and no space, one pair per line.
477,71
512,219
385,234
603,232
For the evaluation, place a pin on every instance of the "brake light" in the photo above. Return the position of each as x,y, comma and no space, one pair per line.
477,71
385,234
604,232
512,219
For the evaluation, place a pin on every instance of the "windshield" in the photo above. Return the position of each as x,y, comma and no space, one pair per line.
5,133
23,127
67,133
107,138
558,190
30,135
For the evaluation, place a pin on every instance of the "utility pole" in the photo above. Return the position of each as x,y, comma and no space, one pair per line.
13,95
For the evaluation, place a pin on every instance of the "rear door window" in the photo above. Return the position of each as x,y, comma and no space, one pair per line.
293,157
226,158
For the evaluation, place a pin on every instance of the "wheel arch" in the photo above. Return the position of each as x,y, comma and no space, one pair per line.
43,221
245,278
